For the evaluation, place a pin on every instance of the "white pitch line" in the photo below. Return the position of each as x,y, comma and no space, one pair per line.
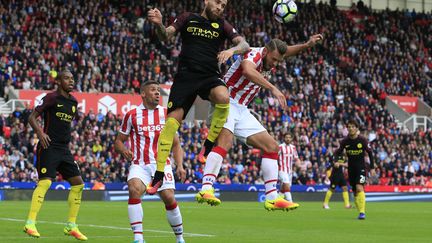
93,236
112,227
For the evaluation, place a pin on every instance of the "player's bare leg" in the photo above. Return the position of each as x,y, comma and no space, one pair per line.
74,201
173,214
269,167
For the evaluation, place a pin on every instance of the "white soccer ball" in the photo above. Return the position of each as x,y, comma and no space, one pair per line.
284,11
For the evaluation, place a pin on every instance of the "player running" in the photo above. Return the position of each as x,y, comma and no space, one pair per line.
355,147
336,175
287,157
143,126
59,109
198,71
244,79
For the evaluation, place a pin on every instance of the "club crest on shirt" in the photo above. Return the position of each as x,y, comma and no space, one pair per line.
215,25
359,146
73,109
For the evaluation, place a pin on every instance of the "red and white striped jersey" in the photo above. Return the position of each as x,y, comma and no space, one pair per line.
144,127
287,156
240,88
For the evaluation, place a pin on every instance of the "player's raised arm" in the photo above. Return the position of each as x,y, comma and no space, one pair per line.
178,157
295,49
250,72
163,33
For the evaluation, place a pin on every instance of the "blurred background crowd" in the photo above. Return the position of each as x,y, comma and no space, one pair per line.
110,47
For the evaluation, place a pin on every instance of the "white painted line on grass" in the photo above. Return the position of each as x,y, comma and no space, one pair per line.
112,227
93,236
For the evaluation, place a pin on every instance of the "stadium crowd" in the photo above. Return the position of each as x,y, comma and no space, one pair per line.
365,56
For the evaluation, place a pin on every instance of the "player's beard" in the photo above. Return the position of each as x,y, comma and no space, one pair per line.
210,15
266,67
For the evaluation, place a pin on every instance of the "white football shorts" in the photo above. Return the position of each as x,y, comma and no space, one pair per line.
285,177
241,122
145,173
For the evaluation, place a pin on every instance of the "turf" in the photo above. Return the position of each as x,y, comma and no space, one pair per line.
230,222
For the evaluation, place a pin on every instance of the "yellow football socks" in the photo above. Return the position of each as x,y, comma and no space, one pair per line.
38,198
346,198
327,197
74,201
361,201
220,116
165,142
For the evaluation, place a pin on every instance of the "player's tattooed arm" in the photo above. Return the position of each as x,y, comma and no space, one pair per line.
241,46
163,33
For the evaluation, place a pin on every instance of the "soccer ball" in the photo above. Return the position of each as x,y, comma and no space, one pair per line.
284,11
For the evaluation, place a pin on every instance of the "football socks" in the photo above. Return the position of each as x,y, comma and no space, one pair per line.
220,116
38,198
165,142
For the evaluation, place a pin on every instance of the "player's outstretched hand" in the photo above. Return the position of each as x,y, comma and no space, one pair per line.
44,140
313,40
280,97
127,154
224,56
181,174
154,16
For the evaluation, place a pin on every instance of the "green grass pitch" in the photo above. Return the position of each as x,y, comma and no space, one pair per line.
230,222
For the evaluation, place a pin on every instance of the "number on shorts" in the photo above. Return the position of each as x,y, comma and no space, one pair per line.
168,177
362,179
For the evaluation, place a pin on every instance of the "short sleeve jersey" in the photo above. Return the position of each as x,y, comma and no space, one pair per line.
58,113
201,42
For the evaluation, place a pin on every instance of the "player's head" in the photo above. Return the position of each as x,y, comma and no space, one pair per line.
65,80
276,50
353,127
214,8
288,138
150,93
